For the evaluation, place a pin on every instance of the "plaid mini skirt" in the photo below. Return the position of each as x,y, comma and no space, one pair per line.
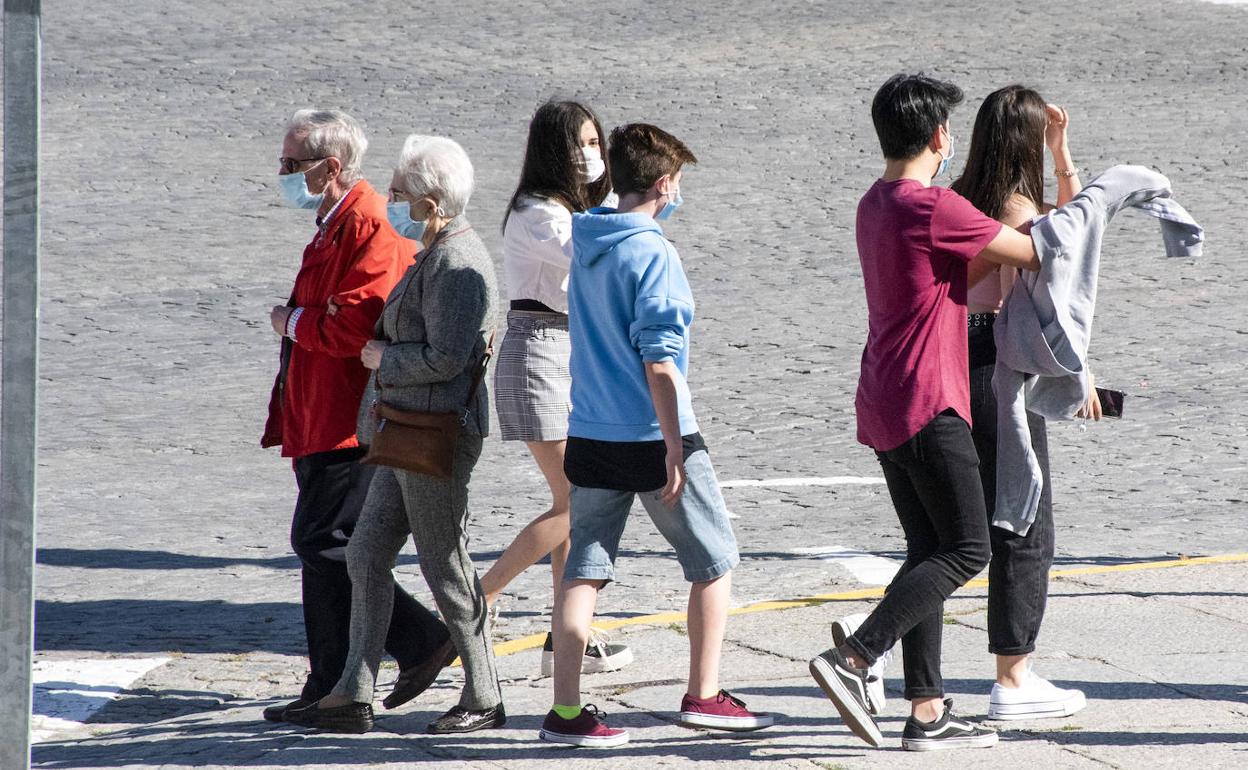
532,384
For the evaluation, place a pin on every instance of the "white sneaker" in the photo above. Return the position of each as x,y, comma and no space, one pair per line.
843,629
1038,698
600,654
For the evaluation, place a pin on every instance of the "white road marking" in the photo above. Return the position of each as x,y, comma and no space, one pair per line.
865,567
812,481
68,692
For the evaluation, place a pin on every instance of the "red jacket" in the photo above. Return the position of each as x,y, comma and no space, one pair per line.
355,262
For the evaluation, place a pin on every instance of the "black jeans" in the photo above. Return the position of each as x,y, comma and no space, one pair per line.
1018,577
934,484
332,487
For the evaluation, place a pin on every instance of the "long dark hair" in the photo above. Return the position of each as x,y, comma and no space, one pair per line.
550,169
1007,151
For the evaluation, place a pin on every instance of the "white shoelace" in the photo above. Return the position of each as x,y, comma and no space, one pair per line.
600,639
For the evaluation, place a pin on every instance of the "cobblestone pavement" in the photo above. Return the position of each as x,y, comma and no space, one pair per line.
163,525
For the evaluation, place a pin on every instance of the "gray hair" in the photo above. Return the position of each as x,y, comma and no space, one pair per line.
331,133
439,168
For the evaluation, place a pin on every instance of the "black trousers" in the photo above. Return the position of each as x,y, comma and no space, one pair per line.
934,484
332,487
1018,576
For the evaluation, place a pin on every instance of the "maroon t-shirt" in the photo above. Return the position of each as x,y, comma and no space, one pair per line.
914,243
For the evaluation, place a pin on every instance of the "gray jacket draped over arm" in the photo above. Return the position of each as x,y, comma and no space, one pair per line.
1045,324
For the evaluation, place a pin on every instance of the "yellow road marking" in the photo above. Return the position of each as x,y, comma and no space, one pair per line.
534,641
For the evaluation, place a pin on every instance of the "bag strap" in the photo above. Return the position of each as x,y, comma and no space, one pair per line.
477,377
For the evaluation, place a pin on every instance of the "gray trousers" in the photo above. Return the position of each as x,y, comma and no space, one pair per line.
435,513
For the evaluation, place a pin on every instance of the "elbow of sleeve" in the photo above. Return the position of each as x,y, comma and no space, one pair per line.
659,347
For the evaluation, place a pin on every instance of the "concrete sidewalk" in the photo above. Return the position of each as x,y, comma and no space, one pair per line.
1162,654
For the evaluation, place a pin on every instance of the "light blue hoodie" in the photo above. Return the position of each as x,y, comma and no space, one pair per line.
628,302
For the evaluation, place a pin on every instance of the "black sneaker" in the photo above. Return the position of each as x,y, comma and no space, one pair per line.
846,686
948,732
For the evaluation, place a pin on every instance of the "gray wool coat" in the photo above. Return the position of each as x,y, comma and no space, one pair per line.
437,321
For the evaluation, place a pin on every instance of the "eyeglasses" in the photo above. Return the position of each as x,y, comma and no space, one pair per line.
291,165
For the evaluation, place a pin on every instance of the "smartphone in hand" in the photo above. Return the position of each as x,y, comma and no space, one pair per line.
1111,402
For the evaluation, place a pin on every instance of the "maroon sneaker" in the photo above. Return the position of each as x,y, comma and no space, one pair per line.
722,711
587,729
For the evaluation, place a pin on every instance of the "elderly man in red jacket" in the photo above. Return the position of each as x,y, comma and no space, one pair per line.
354,260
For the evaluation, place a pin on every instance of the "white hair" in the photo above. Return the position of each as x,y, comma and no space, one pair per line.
331,134
437,167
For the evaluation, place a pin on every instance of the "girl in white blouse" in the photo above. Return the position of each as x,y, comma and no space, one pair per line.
564,171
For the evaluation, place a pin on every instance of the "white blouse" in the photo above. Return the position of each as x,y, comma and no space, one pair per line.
537,252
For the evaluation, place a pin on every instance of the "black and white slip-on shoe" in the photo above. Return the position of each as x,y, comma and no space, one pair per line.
948,732
846,687
600,655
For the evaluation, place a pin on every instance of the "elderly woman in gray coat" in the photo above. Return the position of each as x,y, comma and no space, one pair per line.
429,341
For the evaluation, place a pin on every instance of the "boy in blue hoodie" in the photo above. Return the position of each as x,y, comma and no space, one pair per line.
632,433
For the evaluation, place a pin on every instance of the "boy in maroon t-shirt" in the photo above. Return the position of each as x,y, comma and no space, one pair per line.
916,242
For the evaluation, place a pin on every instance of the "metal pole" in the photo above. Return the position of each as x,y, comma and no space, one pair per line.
19,349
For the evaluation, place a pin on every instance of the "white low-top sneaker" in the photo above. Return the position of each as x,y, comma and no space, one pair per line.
1038,698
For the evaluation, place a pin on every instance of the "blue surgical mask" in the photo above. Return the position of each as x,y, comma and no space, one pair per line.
400,215
671,206
295,190
944,162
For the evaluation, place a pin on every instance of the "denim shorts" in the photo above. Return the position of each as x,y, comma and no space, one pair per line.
697,527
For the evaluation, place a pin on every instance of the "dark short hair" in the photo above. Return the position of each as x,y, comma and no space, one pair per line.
908,109
639,154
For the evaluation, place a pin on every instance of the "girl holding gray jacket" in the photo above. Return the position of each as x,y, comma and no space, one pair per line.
430,340
1004,178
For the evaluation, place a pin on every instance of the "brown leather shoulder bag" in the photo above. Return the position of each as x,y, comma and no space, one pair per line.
421,442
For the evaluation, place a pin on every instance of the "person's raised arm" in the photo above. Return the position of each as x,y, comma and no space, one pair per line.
1068,184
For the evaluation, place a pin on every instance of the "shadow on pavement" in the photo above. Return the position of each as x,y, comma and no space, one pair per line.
137,625
123,558
208,742
1142,738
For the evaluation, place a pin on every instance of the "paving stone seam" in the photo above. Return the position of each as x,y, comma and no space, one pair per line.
531,641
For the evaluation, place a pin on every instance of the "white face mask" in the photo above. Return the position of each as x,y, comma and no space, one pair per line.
591,164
